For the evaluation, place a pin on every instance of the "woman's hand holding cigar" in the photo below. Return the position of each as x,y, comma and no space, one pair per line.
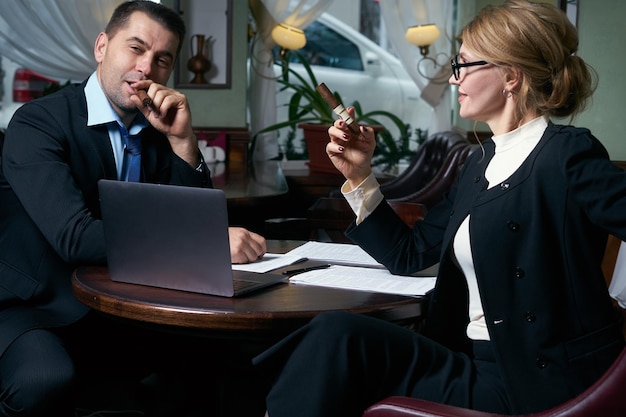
351,147
338,108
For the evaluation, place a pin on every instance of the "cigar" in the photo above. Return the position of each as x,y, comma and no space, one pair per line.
338,108
143,96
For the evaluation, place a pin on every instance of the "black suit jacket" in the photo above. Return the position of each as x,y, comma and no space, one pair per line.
537,242
49,209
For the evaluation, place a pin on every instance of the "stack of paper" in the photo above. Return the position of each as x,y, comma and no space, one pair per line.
366,279
336,253
353,268
269,262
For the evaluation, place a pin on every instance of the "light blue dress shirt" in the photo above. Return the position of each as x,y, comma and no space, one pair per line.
100,112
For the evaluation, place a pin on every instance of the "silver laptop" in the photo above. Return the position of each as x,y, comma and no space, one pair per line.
172,237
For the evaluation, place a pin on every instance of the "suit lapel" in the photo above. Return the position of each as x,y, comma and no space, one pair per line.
96,136
99,138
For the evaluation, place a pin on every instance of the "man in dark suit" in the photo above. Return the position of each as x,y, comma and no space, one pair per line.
55,151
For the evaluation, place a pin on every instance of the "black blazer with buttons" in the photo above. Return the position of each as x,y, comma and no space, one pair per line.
537,240
49,211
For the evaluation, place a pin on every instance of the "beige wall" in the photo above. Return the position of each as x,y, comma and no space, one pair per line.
602,40
225,107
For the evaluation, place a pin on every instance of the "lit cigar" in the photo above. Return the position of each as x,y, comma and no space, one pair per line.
143,96
338,108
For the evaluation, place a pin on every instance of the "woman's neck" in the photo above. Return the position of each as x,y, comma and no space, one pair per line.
507,122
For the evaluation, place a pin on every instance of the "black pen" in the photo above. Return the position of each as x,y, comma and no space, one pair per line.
302,270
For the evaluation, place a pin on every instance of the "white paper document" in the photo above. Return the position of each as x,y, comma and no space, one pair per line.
269,262
335,253
366,279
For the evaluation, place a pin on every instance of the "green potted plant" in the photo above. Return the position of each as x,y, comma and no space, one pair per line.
308,111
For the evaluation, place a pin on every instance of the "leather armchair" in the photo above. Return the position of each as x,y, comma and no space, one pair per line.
605,398
432,192
440,159
426,163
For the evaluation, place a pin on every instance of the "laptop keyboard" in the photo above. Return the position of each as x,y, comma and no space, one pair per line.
240,284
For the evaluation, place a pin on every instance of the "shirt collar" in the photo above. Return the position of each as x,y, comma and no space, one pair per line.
100,111
530,132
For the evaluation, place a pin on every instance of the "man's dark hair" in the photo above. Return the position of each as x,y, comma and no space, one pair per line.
157,12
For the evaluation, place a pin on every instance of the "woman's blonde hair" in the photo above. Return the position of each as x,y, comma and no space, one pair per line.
540,42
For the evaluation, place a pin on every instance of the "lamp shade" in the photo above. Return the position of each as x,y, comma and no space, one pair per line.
288,37
422,35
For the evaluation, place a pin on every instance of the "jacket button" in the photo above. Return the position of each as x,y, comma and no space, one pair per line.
519,272
476,179
530,317
504,186
514,227
541,363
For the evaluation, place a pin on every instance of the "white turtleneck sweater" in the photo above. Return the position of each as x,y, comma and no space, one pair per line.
511,149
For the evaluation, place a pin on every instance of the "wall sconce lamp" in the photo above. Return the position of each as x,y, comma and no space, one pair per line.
288,38
423,36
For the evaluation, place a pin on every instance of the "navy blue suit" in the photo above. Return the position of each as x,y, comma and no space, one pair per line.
49,210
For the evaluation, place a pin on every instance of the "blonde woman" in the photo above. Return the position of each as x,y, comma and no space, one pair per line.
520,319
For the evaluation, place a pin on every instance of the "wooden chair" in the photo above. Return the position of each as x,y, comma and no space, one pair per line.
605,398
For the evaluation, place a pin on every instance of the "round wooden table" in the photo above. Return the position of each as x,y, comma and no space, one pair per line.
234,329
268,313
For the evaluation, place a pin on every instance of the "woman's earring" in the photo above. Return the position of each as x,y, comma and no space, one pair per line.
506,93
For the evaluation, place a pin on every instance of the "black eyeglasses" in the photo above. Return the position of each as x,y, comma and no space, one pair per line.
456,66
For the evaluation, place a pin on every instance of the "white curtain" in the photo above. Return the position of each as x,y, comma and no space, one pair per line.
262,84
397,16
53,37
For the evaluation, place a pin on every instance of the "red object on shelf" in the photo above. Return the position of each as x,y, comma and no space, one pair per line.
28,85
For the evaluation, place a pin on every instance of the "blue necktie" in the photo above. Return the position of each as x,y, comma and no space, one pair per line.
132,157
